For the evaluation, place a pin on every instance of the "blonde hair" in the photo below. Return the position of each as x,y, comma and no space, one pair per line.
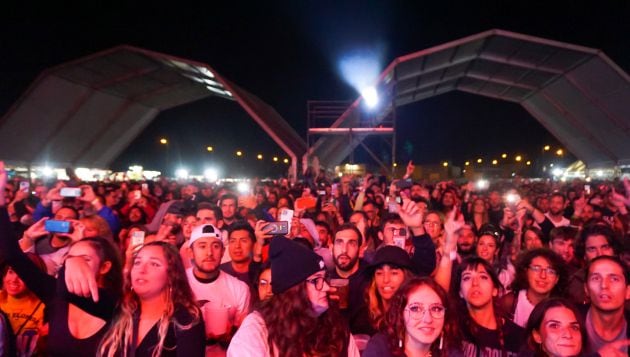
119,338
100,224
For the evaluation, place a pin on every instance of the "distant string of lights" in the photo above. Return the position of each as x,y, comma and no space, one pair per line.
237,153
504,159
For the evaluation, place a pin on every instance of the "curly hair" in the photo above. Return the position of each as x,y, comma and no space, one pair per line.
393,326
295,331
119,338
555,261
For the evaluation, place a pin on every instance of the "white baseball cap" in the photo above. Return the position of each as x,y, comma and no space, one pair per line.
204,231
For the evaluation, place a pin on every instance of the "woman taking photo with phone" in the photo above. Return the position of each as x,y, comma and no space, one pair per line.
484,330
158,315
419,322
296,321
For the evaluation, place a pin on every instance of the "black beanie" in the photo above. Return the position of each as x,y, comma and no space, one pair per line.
291,264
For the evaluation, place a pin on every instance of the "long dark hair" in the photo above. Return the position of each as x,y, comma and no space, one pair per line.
295,330
468,325
537,316
107,252
393,326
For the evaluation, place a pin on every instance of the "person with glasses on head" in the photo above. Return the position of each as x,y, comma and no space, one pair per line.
297,320
540,273
485,331
490,247
419,322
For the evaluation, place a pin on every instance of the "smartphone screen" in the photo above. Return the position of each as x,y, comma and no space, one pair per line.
70,192
278,228
56,226
137,238
25,186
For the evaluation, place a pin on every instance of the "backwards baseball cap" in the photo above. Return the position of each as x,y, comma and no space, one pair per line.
204,231
291,264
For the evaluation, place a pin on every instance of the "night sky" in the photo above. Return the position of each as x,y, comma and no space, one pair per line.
288,52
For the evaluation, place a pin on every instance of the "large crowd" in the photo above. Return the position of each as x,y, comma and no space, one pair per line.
319,267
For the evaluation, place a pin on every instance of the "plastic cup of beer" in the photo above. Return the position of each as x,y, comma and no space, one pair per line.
343,289
216,318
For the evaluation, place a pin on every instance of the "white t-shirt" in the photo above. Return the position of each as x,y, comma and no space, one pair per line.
524,308
225,290
563,222
251,339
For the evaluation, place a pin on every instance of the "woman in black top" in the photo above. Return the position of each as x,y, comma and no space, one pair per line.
485,332
77,324
158,315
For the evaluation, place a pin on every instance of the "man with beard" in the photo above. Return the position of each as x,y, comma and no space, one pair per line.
562,242
228,206
556,210
214,287
466,240
345,248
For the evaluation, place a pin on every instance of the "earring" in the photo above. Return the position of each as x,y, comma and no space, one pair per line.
441,340
400,343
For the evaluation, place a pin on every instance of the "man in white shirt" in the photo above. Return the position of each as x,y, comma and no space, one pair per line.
557,204
213,288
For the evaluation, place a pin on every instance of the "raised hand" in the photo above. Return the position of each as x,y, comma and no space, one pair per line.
410,215
80,279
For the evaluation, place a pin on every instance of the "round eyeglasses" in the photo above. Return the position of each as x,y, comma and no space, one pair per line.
416,311
318,282
538,269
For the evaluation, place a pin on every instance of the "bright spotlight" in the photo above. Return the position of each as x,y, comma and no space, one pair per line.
47,171
557,171
242,187
211,174
181,173
370,96
482,184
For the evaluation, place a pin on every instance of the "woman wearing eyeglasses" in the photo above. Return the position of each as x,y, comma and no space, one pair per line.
296,320
419,322
540,273
485,331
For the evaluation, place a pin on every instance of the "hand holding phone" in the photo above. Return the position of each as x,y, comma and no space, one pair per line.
277,228
70,192
400,237
137,238
57,226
